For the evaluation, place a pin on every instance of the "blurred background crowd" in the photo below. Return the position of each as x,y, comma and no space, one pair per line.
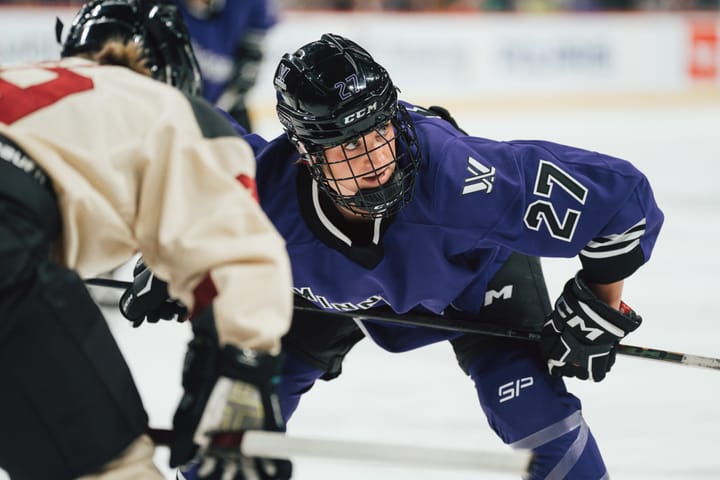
460,5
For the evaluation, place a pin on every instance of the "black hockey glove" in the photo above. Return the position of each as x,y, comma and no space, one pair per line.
248,58
227,391
581,336
148,298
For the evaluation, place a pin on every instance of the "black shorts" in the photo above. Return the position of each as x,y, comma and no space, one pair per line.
520,300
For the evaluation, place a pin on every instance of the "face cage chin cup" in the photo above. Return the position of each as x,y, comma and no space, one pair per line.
386,199
380,201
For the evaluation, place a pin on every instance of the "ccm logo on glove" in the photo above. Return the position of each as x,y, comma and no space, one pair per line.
581,336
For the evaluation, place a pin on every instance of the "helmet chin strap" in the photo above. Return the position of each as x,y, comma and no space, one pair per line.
378,199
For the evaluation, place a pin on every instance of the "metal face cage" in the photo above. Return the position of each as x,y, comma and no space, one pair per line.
363,165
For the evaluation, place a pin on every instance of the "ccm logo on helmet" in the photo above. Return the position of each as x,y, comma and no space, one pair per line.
355,116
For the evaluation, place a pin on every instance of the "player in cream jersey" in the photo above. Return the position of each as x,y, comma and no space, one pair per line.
98,162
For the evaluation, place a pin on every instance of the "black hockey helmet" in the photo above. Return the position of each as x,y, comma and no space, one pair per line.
331,92
156,24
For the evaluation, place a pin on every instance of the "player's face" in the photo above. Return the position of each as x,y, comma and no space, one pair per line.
199,4
366,162
202,8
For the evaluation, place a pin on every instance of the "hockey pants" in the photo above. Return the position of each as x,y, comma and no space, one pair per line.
68,404
525,406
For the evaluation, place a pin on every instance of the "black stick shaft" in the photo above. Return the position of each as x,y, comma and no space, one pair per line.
673,357
467,326
108,282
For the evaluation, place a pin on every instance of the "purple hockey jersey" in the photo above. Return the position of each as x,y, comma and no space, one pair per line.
475,202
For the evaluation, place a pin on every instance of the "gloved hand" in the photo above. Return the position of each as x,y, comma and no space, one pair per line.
227,391
581,336
248,58
148,297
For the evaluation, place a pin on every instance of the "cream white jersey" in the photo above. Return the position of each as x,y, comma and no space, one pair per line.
139,167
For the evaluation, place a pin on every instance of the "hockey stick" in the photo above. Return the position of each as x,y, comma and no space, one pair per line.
469,326
108,282
458,325
257,443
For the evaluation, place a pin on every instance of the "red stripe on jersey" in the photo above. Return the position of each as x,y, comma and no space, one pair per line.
203,295
17,102
249,183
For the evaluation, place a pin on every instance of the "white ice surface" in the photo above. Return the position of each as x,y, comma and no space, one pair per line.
653,420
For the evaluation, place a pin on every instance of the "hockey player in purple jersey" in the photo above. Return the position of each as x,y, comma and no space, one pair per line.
385,204
227,36
397,207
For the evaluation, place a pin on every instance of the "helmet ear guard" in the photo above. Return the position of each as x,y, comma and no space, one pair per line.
331,92
155,24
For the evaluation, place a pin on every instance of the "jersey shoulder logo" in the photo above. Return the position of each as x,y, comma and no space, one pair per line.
480,177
